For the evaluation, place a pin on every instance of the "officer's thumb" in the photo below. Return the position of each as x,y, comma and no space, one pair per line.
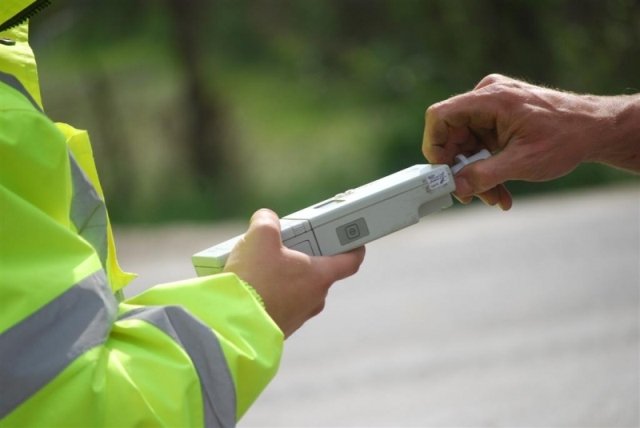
264,228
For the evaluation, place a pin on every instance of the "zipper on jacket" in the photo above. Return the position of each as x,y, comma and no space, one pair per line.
25,14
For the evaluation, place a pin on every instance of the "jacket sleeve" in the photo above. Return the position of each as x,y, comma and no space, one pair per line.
250,341
190,353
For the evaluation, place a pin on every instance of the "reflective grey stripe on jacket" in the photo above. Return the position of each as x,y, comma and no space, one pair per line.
88,211
12,81
38,348
202,346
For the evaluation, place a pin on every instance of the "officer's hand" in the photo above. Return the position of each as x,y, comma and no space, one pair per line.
535,133
293,285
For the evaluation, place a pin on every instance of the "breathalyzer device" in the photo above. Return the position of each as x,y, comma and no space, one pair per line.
357,216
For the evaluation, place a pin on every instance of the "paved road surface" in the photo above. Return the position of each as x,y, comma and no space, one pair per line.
474,317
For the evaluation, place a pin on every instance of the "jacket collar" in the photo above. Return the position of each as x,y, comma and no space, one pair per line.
14,12
17,63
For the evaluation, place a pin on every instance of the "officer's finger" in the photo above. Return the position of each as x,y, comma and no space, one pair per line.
341,265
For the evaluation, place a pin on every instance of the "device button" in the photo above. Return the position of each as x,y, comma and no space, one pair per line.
352,231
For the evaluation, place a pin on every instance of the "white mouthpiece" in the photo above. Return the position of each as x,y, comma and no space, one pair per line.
462,160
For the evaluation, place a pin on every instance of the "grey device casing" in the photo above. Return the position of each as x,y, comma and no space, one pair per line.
355,217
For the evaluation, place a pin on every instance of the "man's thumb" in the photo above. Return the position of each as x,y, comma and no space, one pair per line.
483,175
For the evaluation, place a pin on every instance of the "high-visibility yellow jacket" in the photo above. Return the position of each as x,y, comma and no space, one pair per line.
189,353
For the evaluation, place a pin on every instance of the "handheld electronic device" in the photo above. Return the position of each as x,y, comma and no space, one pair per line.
358,216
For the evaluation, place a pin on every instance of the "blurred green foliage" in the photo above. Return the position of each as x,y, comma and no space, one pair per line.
201,110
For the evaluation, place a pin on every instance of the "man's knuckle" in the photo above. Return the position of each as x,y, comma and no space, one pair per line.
432,110
492,79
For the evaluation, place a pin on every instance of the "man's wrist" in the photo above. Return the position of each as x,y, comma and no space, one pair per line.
619,139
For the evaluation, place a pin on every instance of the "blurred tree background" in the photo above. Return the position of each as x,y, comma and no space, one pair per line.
208,109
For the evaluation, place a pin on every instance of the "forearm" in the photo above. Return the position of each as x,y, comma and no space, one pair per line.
618,142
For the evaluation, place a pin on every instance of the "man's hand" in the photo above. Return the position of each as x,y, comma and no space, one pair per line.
535,134
293,285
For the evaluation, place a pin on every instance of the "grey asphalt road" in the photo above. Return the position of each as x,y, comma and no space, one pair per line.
473,318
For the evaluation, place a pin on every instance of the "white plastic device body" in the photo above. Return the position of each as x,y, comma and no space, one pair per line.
358,216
